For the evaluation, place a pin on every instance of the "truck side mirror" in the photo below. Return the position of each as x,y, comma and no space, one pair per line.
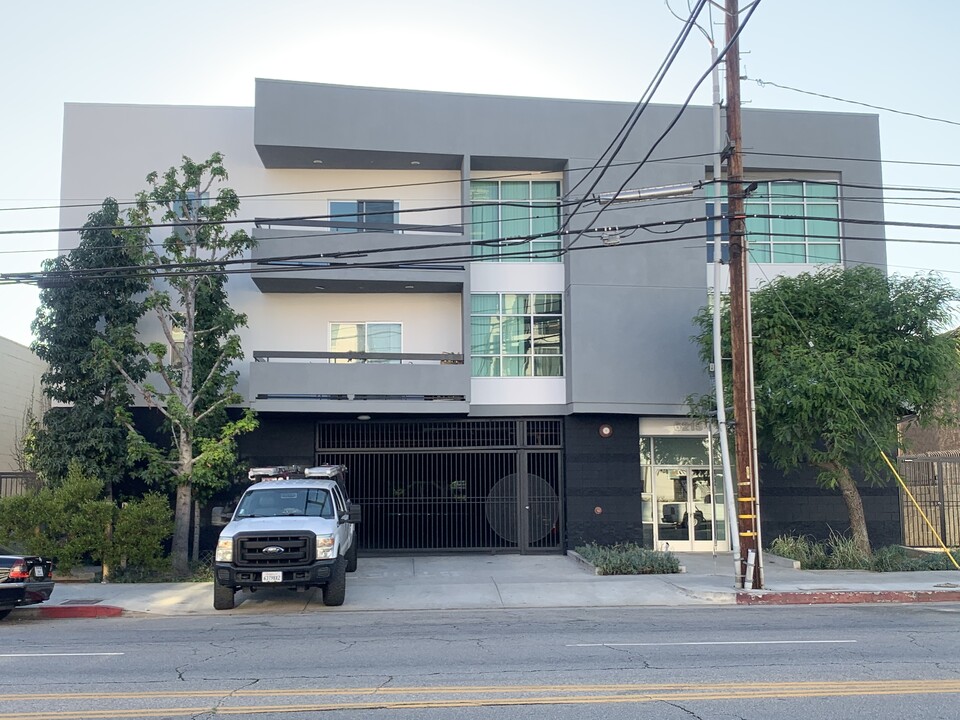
220,515
353,513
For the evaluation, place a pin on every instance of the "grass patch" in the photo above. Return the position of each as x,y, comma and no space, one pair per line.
628,559
839,552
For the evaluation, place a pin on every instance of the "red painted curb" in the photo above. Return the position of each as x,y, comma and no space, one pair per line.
80,611
832,597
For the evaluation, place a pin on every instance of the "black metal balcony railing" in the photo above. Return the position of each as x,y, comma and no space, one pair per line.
446,358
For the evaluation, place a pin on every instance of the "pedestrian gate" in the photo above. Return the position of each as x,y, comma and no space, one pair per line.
934,481
451,485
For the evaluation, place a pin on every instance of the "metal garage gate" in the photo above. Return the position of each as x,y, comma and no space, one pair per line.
934,481
452,485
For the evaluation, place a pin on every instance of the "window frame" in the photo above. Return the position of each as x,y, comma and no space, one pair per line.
548,250
365,324
763,245
360,215
534,363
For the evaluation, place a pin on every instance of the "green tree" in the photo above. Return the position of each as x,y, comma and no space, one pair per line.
839,357
90,296
191,377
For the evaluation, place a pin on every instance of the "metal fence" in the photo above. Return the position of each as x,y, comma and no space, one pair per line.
18,483
934,481
452,485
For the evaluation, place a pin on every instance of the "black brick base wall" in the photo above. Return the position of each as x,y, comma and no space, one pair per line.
794,504
602,473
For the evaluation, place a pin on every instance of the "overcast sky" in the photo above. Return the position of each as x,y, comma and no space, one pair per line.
880,52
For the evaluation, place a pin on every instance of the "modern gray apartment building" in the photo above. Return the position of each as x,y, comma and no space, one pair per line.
431,304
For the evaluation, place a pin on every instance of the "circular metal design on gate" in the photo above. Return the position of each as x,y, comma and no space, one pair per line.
543,508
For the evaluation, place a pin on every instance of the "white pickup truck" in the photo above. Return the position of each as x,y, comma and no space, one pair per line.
295,528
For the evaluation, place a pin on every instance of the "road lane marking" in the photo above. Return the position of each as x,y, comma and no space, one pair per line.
716,642
104,654
796,690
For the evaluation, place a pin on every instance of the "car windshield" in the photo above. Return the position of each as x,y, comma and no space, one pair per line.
271,502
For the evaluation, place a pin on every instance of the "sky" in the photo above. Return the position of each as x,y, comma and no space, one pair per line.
878,52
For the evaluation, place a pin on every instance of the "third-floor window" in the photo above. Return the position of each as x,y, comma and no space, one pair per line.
515,221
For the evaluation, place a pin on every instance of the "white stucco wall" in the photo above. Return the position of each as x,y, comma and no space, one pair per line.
20,372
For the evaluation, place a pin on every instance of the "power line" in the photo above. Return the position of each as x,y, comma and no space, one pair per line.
764,83
733,39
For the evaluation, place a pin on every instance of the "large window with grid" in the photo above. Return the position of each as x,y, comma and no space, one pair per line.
516,334
506,213
802,223
366,337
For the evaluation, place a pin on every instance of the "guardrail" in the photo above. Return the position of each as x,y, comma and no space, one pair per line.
358,357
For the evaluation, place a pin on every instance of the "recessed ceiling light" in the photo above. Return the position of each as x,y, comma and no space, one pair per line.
408,287
318,287
318,162
363,417
414,162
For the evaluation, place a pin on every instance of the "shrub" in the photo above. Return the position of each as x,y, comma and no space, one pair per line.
67,522
811,554
839,552
141,529
628,559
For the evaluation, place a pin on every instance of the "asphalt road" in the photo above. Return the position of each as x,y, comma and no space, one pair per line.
881,661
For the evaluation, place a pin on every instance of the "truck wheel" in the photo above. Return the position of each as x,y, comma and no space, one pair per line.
4,613
223,597
352,557
336,588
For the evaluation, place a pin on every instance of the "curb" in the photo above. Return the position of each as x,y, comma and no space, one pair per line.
79,611
846,597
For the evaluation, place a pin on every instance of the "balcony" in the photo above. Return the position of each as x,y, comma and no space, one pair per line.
303,255
352,382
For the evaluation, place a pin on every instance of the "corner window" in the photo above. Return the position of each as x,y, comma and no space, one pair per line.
506,214
366,338
363,215
516,334
802,223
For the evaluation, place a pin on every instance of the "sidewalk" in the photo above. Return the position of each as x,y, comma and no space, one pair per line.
512,581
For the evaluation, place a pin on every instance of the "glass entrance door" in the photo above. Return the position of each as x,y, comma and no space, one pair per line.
684,507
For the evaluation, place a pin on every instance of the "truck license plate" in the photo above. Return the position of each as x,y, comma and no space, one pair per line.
38,571
272,577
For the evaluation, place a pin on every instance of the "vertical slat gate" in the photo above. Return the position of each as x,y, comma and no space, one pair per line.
934,482
451,485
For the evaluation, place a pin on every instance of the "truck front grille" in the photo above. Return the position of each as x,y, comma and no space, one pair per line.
275,550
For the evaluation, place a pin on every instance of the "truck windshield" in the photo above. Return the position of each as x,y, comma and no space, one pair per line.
273,502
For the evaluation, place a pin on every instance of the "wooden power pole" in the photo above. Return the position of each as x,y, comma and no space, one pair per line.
748,522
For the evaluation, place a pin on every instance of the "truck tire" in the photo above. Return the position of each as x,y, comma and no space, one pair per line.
4,613
352,557
223,597
336,588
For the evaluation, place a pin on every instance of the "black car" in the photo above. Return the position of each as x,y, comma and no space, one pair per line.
24,580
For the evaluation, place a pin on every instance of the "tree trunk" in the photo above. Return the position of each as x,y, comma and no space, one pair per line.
195,555
179,550
105,569
858,523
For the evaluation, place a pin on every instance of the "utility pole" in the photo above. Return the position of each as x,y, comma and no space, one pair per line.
748,522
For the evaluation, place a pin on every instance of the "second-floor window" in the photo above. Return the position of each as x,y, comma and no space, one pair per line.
507,212
366,337
803,223
516,334
355,214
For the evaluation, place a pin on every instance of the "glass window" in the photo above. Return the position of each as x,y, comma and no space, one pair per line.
802,223
374,337
357,213
516,334
515,221
681,451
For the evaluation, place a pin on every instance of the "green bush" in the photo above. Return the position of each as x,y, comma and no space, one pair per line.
628,559
839,552
67,523
71,523
142,527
